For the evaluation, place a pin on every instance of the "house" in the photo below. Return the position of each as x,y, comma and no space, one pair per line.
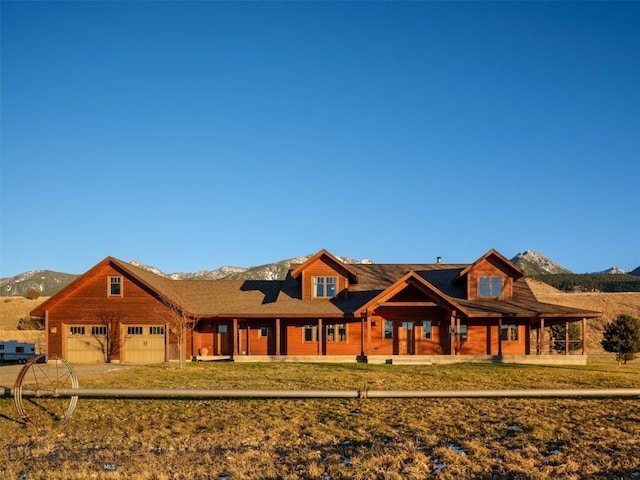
324,310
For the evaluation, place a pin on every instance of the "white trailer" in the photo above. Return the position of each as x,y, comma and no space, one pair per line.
13,351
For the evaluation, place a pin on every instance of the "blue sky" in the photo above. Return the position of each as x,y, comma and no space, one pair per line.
191,135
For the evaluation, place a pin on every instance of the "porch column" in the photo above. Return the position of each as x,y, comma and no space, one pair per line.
320,336
541,346
362,323
499,336
452,335
368,334
234,336
277,336
584,336
248,341
566,338
458,342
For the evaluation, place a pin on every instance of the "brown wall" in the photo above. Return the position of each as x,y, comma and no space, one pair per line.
294,344
88,303
321,269
483,339
484,269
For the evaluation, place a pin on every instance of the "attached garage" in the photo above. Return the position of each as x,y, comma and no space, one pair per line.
86,343
143,343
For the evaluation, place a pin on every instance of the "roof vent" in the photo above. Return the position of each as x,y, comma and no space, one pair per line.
439,260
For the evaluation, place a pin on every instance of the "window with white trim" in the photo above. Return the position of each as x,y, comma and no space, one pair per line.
325,287
134,330
263,331
156,330
75,330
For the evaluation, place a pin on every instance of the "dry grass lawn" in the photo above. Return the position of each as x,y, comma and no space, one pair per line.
336,439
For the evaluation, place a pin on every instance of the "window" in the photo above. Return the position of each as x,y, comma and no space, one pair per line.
337,332
134,330
509,333
2,347
99,330
76,330
310,333
222,329
156,330
490,287
324,287
426,329
388,329
115,286
463,332
19,349
263,332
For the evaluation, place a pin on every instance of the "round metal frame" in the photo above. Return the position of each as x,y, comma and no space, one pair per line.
38,383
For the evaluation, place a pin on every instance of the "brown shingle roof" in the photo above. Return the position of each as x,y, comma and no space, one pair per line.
272,298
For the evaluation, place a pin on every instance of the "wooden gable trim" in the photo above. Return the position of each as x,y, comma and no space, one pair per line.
516,271
350,273
411,278
39,311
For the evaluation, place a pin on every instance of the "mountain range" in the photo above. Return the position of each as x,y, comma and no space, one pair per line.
48,282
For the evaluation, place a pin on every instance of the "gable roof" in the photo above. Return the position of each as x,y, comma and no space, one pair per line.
324,253
283,298
516,271
415,280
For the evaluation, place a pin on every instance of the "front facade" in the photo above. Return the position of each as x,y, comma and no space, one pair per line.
323,310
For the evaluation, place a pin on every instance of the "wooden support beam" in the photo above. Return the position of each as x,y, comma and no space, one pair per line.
499,336
452,335
234,336
320,336
584,336
566,338
277,336
248,352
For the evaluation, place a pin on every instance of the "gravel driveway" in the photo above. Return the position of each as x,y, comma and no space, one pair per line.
9,373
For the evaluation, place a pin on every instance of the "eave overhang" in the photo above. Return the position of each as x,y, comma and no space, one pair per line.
411,278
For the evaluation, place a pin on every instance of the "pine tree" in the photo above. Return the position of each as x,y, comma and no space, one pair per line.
622,337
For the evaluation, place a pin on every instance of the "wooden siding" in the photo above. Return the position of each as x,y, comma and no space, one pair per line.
90,303
483,339
320,268
487,268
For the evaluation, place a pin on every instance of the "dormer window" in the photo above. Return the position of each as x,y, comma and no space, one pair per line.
490,287
324,287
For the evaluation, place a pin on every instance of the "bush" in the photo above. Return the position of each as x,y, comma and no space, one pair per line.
33,294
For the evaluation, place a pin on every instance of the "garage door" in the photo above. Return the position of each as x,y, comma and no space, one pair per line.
86,343
144,343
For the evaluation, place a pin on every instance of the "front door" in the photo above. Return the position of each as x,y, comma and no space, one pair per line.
405,339
222,340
